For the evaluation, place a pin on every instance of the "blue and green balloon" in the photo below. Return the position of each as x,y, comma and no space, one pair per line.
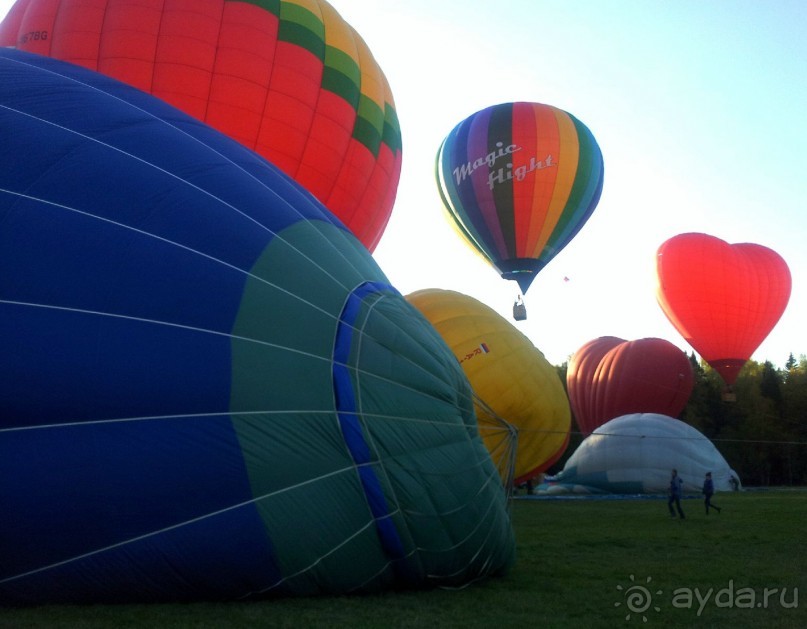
208,388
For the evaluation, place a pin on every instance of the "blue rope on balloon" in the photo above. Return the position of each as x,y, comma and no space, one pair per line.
352,431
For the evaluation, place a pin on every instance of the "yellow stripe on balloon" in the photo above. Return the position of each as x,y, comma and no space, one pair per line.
372,81
337,33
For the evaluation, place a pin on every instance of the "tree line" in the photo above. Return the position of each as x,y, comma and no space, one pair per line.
759,425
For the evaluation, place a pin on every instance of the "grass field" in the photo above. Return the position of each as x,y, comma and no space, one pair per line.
581,563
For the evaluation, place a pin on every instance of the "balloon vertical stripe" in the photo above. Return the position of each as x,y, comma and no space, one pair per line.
499,134
478,196
525,124
547,195
584,193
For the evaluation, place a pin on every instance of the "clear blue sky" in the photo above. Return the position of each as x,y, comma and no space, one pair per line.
698,107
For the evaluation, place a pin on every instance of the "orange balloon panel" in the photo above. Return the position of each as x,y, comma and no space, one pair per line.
724,299
289,79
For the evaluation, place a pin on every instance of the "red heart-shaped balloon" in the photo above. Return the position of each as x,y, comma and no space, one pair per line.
610,377
724,299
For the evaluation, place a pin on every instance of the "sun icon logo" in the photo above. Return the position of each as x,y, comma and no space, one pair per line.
638,599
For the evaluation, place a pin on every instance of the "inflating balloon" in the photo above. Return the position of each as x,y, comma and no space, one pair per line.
208,388
519,180
636,453
723,299
290,80
508,374
609,377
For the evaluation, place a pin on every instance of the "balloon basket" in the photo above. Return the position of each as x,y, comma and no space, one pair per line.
519,309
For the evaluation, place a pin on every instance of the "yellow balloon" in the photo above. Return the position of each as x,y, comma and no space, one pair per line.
508,374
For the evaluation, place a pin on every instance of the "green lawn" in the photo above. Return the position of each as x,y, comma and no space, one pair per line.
577,562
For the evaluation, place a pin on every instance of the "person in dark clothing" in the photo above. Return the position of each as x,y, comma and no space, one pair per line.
676,489
708,491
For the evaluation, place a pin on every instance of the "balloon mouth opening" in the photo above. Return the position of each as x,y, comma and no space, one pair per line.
728,368
522,278
521,271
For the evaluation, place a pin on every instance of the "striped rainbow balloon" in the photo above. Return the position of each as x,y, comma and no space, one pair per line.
519,180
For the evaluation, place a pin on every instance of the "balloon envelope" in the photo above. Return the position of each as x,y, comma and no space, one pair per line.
636,453
723,299
507,372
609,377
290,80
519,180
208,388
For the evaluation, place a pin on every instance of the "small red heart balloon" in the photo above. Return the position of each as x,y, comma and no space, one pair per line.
724,299
610,377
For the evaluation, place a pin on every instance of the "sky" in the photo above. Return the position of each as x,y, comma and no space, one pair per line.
698,108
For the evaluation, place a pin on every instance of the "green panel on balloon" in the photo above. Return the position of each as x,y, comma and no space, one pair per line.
282,396
413,407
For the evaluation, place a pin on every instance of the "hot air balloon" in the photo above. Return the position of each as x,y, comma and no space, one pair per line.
208,388
723,299
519,180
609,377
290,80
509,375
635,454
